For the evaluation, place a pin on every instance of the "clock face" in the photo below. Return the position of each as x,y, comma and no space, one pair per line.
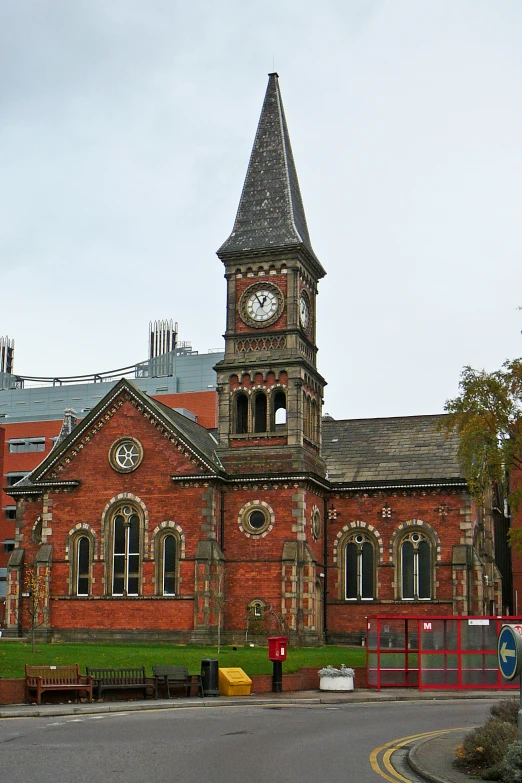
316,523
304,311
261,304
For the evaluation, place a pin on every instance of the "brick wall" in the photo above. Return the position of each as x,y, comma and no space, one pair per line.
384,516
204,404
21,462
306,679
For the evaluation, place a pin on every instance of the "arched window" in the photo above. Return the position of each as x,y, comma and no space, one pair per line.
241,414
126,551
416,567
306,415
83,565
359,568
313,421
260,411
256,608
169,552
279,407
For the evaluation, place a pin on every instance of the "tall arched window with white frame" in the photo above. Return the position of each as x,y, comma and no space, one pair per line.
168,564
416,567
126,551
81,565
359,561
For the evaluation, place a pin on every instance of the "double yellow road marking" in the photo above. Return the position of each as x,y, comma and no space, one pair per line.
380,758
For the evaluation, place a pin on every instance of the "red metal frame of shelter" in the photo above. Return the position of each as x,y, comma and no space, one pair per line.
436,653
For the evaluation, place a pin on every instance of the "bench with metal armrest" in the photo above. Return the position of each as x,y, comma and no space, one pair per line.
178,677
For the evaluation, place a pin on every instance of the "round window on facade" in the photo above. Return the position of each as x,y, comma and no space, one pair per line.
126,455
256,519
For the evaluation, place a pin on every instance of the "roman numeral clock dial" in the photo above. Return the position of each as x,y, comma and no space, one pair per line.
261,304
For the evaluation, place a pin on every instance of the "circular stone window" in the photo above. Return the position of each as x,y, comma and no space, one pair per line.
256,519
126,455
316,523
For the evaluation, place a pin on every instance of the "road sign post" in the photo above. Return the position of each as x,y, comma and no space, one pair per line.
509,649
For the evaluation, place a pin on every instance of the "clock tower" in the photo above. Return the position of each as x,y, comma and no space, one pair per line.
270,392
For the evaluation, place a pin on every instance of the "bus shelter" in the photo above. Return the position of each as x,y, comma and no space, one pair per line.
430,653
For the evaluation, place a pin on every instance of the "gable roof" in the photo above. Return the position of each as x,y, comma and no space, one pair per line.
197,441
271,213
390,452
396,451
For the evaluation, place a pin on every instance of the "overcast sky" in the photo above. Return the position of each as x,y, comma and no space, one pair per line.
125,132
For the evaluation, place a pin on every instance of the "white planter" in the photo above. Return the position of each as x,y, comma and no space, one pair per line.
335,683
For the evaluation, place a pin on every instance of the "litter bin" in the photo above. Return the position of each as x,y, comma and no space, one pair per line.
209,677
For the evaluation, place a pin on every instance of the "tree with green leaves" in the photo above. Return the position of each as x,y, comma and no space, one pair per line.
487,415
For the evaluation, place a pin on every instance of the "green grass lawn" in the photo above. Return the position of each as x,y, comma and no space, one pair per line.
15,654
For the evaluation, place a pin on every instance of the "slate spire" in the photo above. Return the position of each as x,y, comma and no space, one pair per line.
271,213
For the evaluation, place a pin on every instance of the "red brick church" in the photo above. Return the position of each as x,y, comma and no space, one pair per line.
145,524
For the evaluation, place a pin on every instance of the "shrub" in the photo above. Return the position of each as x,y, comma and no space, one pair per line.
484,748
496,772
506,710
513,763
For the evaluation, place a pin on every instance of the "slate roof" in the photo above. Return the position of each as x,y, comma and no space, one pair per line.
197,438
397,450
271,212
191,431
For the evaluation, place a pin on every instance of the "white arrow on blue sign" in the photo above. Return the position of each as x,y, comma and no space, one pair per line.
509,652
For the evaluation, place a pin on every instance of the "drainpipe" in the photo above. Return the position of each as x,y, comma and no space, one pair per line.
222,522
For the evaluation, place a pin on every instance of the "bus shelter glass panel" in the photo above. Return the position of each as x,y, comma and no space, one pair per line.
437,652
479,634
392,655
372,669
440,670
372,635
439,635
392,635
479,669
398,670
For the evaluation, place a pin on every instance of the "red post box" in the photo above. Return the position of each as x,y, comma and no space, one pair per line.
277,646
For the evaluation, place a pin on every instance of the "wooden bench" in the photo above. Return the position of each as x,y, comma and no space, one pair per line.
119,679
175,677
55,678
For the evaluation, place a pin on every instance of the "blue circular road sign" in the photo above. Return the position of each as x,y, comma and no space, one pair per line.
509,650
